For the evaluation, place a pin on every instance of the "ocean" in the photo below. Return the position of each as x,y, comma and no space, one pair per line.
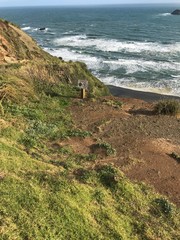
131,46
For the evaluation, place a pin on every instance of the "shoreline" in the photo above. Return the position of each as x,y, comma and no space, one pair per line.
146,96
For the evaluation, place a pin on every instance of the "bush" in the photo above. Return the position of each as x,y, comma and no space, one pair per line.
108,176
162,206
84,175
110,151
167,107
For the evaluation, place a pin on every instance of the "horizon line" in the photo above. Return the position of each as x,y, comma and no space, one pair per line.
89,5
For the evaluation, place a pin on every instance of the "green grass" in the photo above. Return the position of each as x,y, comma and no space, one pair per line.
54,193
42,201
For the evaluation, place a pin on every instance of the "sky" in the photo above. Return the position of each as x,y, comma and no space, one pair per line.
4,3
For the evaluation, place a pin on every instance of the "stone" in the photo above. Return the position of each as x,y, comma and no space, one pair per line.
176,12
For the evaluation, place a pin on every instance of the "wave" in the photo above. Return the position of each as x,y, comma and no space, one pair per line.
91,61
26,28
129,65
175,76
164,14
109,45
141,65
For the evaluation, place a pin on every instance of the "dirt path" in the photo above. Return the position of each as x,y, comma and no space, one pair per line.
143,141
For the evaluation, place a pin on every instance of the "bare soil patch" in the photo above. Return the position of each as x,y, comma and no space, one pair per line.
143,140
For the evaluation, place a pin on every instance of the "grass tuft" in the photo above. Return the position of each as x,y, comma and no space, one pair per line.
167,107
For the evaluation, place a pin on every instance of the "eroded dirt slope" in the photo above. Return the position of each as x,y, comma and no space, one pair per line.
143,140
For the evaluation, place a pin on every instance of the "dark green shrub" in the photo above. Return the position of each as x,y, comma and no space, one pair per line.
162,206
29,141
108,176
84,175
98,196
167,107
110,151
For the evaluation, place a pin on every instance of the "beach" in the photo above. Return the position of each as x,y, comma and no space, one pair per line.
146,96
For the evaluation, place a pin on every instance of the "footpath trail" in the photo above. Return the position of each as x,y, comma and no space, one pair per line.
143,141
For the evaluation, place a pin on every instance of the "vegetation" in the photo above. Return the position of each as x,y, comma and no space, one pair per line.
175,156
48,191
112,103
167,107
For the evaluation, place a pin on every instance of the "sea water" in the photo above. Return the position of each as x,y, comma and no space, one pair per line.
131,46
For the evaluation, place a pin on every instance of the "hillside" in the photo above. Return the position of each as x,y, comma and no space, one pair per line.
66,164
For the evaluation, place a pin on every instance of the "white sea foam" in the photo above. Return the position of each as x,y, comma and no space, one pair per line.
164,14
26,28
176,76
92,62
136,65
129,65
106,45
68,32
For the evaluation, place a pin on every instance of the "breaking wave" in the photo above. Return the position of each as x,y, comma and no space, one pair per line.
107,45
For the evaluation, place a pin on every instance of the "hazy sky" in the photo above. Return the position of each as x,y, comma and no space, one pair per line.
77,2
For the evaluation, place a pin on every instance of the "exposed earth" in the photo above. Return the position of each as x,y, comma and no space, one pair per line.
143,141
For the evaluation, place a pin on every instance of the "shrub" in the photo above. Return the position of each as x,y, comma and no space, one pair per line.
162,206
108,176
98,196
109,149
84,175
167,107
29,141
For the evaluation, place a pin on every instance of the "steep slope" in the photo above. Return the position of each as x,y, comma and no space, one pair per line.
25,67
15,45
49,188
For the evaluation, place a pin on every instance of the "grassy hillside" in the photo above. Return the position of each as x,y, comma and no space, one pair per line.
47,190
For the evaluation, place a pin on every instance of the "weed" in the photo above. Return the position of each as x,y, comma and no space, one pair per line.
28,141
84,175
77,133
113,103
162,206
98,196
110,151
108,176
86,157
167,107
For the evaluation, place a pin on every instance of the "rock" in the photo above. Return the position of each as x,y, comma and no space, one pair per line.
42,29
176,12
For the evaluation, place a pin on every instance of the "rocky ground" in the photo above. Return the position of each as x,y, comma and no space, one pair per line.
143,141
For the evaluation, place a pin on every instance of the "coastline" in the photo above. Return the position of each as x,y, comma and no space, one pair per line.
146,96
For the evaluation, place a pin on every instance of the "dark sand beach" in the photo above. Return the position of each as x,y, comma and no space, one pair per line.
146,96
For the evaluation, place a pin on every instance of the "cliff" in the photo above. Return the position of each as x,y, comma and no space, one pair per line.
21,58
